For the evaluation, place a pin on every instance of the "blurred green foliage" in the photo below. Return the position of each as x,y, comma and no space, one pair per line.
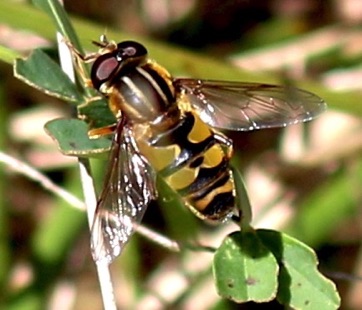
51,239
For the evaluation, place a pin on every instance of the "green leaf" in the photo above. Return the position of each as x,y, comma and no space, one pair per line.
301,285
244,269
41,72
242,200
72,138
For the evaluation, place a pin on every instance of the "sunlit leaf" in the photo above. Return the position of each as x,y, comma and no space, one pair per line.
72,138
41,72
245,270
301,285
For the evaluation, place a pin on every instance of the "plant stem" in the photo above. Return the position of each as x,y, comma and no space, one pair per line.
104,276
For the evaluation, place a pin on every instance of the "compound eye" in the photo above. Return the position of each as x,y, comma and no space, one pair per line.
131,49
102,69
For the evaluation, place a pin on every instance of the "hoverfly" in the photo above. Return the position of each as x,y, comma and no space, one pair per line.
169,126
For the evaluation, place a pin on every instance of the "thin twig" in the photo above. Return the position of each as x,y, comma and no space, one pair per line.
33,174
88,189
74,202
155,237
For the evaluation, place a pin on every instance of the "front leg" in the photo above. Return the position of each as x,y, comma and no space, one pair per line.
79,60
102,131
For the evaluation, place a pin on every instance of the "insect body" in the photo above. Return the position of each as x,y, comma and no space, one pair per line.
169,126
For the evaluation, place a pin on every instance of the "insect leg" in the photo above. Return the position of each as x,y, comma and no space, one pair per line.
83,58
102,131
80,60
225,142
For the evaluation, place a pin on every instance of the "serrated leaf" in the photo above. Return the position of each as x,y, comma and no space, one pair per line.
301,285
72,138
41,72
244,269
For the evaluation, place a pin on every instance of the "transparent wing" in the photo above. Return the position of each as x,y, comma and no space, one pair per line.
128,190
249,106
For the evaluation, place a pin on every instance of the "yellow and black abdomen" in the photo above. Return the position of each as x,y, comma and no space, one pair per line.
193,163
